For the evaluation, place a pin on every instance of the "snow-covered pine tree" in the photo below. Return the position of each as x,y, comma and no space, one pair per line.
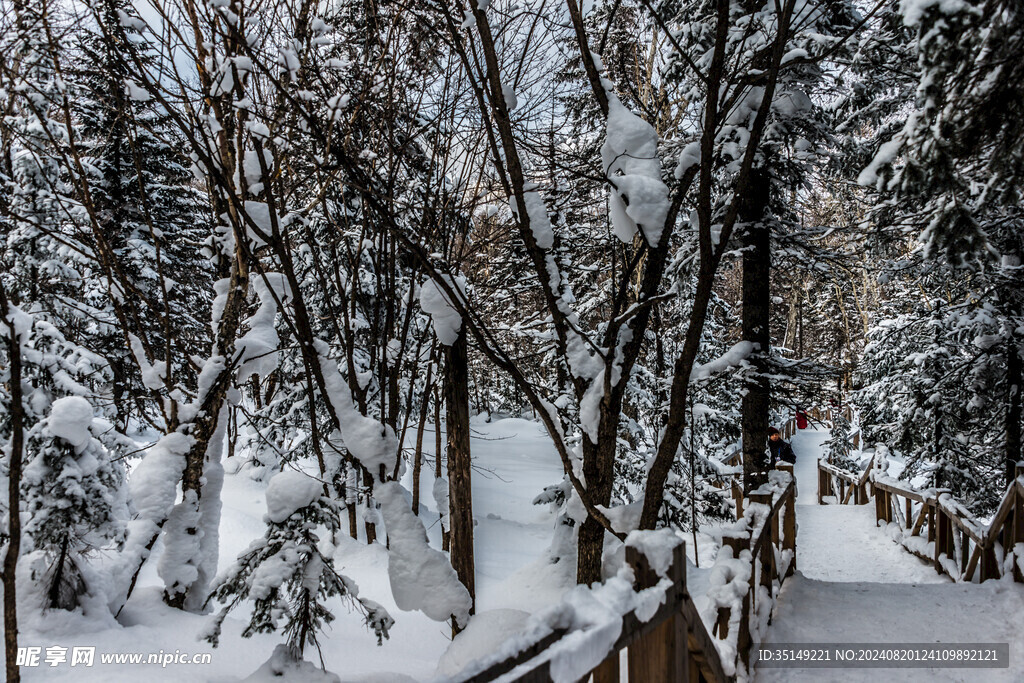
152,219
840,445
285,574
73,496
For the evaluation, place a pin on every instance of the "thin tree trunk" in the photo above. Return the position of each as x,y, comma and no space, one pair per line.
14,467
460,494
417,462
1013,408
438,454
756,302
351,497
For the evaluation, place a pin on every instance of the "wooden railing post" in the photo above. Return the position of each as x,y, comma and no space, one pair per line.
824,484
737,496
940,535
737,544
767,552
789,531
1018,522
789,520
661,656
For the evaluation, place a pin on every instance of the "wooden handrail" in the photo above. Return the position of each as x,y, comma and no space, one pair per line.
674,645
941,521
674,632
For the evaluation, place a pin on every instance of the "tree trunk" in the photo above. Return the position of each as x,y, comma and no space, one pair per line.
756,303
1013,408
14,466
351,498
417,463
598,472
438,455
460,495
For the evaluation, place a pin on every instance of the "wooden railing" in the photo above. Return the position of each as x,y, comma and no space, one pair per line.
844,485
735,459
935,526
674,645
772,553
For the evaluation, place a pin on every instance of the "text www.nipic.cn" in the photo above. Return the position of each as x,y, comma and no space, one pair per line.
56,655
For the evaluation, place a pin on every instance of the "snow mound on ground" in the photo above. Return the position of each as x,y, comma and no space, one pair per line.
289,491
283,667
485,633
421,577
70,418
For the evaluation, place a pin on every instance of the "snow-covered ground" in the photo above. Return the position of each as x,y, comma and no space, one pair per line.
513,459
854,585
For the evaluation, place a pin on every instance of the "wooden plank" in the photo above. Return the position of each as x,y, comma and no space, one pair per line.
660,656
789,532
919,522
970,530
989,565
608,670
523,656
850,477
899,491
1018,523
972,564
1005,507
701,643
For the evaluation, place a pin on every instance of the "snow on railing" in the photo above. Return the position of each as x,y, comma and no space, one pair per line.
647,608
758,550
932,524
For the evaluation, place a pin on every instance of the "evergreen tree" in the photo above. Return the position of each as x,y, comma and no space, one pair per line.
73,496
286,575
840,446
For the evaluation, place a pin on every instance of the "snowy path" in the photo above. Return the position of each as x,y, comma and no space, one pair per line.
854,585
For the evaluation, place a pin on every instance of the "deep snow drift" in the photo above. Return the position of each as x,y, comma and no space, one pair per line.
513,462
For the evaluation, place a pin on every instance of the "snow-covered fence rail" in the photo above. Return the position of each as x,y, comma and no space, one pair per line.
668,644
758,554
844,485
933,525
944,532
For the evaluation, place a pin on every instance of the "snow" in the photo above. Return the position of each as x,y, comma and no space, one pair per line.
511,101
283,667
422,578
630,156
867,587
688,158
446,319
914,10
657,546
372,443
812,611
259,213
861,587
289,492
70,418
258,347
485,633
735,356
886,154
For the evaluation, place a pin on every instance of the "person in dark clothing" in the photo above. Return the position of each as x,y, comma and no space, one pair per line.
779,449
